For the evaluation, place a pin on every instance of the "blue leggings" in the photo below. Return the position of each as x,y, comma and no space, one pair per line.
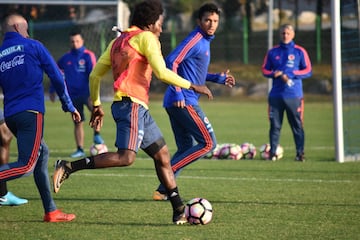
194,136
294,108
33,154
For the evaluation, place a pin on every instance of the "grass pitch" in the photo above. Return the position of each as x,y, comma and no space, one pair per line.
252,199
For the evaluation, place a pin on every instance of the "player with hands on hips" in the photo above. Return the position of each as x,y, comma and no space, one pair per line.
21,80
190,59
287,64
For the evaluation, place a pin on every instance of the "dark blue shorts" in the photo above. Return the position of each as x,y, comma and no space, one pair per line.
79,103
135,128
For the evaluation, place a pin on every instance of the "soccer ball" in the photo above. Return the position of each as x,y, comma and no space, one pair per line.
248,150
96,149
216,151
223,152
235,152
198,211
265,151
230,151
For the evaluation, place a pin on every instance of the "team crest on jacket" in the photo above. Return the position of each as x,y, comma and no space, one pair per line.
82,65
291,57
81,62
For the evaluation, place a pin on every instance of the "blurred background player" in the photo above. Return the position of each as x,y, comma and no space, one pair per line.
76,66
192,130
287,64
6,198
24,62
133,56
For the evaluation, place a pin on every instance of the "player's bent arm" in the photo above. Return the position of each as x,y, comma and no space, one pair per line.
56,77
101,68
266,67
166,75
96,74
150,47
305,70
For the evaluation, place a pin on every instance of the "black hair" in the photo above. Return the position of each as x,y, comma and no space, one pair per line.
146,13
75,31
208,7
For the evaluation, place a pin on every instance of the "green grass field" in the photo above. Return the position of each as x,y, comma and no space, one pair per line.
252,199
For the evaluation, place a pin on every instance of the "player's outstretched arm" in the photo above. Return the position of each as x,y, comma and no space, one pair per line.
202,89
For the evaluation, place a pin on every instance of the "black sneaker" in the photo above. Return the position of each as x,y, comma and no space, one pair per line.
179,216
272,157
300,157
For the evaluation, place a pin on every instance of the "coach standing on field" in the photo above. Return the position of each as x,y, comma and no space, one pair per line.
22,64
287,64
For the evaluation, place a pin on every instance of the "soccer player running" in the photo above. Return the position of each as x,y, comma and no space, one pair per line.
287,64
133,56
193,132
76,66
23,62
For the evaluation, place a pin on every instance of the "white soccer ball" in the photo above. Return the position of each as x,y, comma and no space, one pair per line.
216,151
235,152
248,150
96,149
198,211
230,151
223,152
265,151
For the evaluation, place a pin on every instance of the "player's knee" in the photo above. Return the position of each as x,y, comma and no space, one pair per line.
129,161
125,157
27,169
209,145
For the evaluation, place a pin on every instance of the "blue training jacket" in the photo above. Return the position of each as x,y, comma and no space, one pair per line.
76,66
191,59
293,61
22,63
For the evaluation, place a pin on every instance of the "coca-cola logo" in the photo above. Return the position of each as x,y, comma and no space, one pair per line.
16,61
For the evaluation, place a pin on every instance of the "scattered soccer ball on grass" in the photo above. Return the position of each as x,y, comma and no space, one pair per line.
198,211
248,150
265,151
216,151
96,149
230,151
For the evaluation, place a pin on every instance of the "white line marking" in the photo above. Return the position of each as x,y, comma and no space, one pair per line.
219,178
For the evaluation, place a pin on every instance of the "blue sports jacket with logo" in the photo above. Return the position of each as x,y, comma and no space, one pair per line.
22,63
293,61
190,59
76,66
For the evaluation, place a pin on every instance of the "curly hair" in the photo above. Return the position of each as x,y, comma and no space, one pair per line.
146,13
